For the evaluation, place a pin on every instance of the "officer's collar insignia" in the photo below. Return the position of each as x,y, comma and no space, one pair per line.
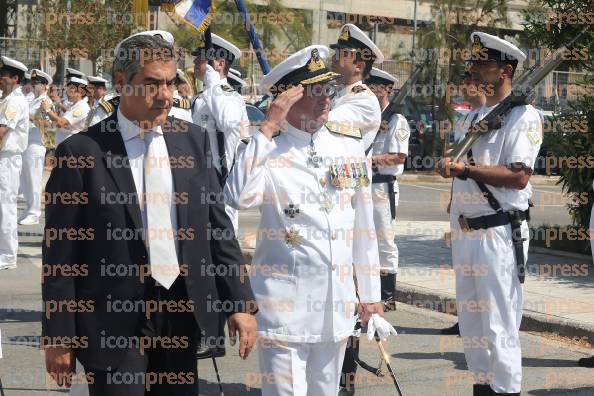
292,210
345,35
477,46
534,136
402,134
292,237
315,63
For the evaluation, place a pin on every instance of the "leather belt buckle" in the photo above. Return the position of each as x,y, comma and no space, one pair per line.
463,221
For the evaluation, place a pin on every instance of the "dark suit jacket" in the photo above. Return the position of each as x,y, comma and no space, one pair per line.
92,253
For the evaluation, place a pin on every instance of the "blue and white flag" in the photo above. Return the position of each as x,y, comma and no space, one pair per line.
197,13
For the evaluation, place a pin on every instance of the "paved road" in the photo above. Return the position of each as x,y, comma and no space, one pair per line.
428,202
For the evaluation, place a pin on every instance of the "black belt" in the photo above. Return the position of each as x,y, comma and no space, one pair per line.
390,179
513,217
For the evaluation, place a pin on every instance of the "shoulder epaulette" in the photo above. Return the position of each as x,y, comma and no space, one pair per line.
344,130
358,89
182,103
109,106
227,88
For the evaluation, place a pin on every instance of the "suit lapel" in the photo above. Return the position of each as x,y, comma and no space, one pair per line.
115,159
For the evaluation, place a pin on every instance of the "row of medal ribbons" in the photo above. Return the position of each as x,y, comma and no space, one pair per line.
351,175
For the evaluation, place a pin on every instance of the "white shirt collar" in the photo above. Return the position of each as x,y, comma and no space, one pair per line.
129,129
300,135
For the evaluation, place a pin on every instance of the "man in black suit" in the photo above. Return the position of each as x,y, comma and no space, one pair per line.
139,255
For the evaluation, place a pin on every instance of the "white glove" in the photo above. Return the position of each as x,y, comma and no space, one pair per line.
211,77
381,325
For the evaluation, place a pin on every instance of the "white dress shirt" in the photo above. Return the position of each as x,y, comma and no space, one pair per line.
136,149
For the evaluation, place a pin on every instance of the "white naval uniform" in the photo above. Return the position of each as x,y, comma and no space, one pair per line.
592,228
357,106
33,162
76,115
220,108
302,269
393,140
484,260
14,114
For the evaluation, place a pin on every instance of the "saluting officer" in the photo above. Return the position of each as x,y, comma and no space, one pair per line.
389,151
489,213
14,127
74,118
355,105
34,155
311,184
219,108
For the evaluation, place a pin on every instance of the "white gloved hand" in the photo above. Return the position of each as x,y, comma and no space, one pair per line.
211,77
381,325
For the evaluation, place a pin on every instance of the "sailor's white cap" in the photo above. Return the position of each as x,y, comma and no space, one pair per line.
70,72
303,67
165,35
41,76
78,81
378,76
496,48
235,71
7,62
231,52
354,38
95,80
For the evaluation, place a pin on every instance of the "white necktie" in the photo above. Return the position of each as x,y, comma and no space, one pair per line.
160,233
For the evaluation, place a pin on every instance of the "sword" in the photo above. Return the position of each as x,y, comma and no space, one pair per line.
386,359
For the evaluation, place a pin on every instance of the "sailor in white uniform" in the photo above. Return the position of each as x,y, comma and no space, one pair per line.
219,108
97,89
389,151
34,155
74,119
354,104
235,80
28,88
488,216
14,127
311,184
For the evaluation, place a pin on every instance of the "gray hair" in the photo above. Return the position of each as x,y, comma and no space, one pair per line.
138,50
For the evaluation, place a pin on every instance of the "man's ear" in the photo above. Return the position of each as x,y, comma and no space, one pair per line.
508,71
118,81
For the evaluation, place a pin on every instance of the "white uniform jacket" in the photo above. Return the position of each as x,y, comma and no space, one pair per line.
310,236
14,113
220,107
357,106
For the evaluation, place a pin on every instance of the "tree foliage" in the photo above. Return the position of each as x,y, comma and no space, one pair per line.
550,24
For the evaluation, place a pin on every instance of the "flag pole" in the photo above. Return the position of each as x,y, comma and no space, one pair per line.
253,36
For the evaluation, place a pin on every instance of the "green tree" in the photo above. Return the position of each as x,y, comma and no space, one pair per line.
80,29
550,24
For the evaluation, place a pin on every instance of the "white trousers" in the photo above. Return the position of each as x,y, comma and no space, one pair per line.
384,227
489,304
31,178
300,369
10,170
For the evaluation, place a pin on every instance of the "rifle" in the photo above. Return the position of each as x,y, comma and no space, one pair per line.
398,99
522,94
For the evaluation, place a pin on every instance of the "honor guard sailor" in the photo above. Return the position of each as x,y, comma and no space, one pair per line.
219,108
389,150
14,127
355,105
181,107
490,233
34,155
97,90
311,184
73,120
234,79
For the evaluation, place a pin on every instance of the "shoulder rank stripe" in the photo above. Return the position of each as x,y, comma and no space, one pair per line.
358,89
227,88
182,103
109,106
343,129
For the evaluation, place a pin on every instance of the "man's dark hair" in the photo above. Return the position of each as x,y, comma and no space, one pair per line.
138,50
14,72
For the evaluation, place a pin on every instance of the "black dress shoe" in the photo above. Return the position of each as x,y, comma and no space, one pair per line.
586,362
482,390
453,330
344,392
205,352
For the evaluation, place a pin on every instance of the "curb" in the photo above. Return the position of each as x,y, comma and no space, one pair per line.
531,320
536,180
560,253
